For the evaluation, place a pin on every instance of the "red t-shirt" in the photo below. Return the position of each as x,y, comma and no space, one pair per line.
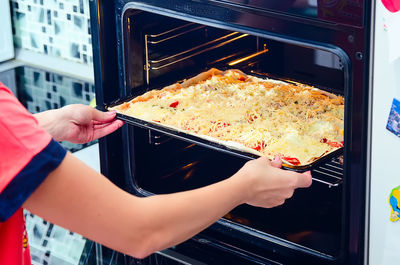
25,161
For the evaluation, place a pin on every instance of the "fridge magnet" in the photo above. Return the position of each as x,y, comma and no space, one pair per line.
393,123
394,202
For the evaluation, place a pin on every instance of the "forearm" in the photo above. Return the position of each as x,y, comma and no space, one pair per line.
78,198
180,216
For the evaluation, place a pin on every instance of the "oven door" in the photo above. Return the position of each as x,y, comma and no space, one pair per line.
170,48
193,252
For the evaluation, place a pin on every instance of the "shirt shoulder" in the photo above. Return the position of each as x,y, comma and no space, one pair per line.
21,137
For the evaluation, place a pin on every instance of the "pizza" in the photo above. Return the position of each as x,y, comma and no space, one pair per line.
267,117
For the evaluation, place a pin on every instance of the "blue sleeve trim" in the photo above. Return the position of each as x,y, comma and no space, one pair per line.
29,179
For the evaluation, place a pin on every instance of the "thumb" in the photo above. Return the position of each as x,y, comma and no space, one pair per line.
263,160
101,116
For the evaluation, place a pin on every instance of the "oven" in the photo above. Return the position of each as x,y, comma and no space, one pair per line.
144,45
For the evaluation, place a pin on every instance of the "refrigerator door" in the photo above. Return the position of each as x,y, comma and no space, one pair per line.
384,229
6,41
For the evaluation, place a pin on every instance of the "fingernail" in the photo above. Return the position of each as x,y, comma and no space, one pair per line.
111,112
276,158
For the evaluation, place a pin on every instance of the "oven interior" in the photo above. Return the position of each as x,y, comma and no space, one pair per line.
160,50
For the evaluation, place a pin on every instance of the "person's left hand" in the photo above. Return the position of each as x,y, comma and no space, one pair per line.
78,123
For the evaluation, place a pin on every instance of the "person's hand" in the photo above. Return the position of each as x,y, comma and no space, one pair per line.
266,185
78,123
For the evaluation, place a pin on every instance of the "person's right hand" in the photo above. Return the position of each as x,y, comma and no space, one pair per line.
266,185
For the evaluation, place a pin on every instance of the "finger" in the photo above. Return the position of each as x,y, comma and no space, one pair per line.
277,162
109,128
289,193
295,179
263,160
99,122
101,125
103,116
278,202
304,180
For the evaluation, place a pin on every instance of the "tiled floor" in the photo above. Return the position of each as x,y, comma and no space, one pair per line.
50,244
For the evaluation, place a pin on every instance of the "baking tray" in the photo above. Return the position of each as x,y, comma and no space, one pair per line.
226,148
181,135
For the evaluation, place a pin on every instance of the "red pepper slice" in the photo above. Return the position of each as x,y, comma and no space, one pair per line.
174,104
292,160
335,144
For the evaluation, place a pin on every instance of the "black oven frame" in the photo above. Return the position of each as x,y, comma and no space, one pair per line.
354,41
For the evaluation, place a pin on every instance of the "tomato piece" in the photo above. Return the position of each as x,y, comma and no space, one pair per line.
292,160
258,147
335,144
242,78
174,104
223,124
252,118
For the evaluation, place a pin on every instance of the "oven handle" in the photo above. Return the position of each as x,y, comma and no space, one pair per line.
251,257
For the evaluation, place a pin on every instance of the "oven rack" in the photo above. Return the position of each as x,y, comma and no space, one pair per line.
329,173
197,50
173,33
152,41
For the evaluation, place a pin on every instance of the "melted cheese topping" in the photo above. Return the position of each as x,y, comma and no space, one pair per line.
272,117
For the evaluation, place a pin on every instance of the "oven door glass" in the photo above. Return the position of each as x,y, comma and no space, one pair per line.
341,12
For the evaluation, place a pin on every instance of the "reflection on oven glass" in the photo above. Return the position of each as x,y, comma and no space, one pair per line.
237,219
338,11
50,244
39,90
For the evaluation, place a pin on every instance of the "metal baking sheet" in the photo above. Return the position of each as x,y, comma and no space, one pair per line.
179,134
220,147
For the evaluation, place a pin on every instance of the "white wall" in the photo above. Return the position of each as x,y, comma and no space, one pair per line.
384,241
6,41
